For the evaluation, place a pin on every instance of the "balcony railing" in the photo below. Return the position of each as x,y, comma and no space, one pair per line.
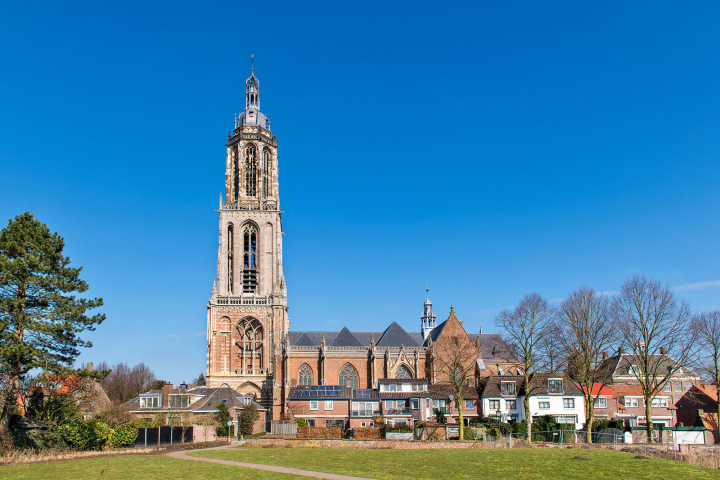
251,371
365,412
265,205
242,300
398,411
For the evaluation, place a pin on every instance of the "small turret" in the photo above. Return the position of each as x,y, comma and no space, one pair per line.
427,321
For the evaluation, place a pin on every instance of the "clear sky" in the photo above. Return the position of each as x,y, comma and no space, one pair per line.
488,149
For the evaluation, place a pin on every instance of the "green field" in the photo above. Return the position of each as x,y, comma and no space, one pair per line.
521,464
500,464
135,467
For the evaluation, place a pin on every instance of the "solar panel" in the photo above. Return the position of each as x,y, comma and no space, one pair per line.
362,393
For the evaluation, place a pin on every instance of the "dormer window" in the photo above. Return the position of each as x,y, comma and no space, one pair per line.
555,385
507,388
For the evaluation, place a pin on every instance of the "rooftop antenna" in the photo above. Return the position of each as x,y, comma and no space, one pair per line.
427,290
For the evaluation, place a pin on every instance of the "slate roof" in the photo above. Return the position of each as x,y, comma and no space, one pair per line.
304,341
211,398
345,339
396,336
539,384
491,386
619,365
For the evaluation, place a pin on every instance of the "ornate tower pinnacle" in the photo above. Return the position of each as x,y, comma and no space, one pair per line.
427,321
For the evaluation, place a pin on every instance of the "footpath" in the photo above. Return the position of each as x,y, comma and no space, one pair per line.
183,454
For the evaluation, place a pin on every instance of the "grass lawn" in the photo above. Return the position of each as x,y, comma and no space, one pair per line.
135,467
501,464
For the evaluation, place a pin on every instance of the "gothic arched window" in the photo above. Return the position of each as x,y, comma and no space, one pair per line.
250,346
250,251
230,241
305,375
266,173
403,372
250,170
348,373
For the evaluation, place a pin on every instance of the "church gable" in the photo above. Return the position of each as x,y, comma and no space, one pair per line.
345,339
396,336
304,341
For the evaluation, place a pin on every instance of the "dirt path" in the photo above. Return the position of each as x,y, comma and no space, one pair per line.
269,468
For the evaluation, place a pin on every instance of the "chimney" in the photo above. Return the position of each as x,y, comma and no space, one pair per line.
167,390
90,367
604,355
663,350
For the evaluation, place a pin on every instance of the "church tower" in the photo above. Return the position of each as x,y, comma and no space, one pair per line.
247,312
427,321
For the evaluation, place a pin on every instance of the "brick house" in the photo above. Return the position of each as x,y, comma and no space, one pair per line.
631,407
182,404
606,405
698,407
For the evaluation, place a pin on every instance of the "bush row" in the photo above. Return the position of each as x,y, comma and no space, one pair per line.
319,432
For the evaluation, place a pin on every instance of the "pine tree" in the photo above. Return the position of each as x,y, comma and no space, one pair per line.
40,317
200,382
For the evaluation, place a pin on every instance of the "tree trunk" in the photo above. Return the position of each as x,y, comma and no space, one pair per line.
648,419
460,417
589,414
526,404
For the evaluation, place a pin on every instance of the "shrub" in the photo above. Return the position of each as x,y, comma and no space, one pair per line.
222,416
399,428
519,427
439,416
85,434
473,433
301,422
319,432
123,436
366,433
38,440
247,419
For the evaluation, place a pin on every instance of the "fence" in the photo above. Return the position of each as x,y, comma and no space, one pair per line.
284,428
163,436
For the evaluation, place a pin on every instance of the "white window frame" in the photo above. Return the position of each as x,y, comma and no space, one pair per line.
494,404
414,404
469,404
511,402
544,402
601,402
629,401
316,403
569,403
328,404
386,403
509,387
562,385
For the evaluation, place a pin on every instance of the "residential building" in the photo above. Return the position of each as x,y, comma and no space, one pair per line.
548,394
699,407
606,404
176,405
631,407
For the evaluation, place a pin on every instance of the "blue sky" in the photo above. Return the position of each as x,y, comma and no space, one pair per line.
488,149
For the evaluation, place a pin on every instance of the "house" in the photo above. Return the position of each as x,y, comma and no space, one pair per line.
606,403
631,407
548,394
176,405
698,407
622,369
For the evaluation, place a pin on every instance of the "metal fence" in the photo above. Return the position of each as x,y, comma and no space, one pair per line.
163,436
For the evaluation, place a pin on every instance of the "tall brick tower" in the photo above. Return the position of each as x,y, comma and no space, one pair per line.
247,312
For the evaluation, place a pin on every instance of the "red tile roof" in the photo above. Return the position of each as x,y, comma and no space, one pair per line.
604,390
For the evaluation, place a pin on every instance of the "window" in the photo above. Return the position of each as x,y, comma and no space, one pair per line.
678,386
348,375
511,404
469,404
230,257
507,388
677,398
494,404
659,402
631,402
566,418
365,409
362,424
250,346
403,372
305,375
688,385
544,405
555,386
601,403
250,252
667,387
392,387
149,402
401,404
310,422
439,404
568,403
414,404
328,404
266,173
388,405
250,170
313,404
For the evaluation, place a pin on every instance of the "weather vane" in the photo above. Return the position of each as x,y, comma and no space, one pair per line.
252,62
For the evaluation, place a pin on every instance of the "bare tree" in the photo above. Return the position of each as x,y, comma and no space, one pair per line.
525,329
658,329
587,329
552,356
707,328
125,383
455,357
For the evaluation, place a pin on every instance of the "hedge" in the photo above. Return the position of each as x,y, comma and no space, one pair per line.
319,432
366,433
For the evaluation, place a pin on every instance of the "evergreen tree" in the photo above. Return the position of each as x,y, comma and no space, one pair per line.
222,416
40,317
247,419
200,381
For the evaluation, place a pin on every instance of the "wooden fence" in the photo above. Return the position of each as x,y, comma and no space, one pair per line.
283,428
